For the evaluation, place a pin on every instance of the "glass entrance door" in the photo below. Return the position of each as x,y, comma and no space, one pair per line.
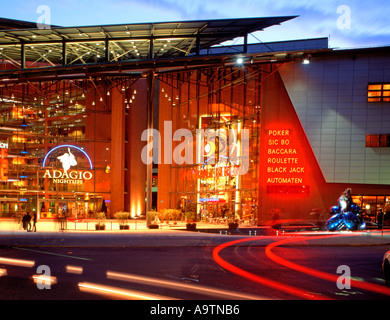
65,208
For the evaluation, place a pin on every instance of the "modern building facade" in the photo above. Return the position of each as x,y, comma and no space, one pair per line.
135,117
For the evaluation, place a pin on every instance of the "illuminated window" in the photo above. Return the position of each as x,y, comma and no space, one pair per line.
377,140
378,92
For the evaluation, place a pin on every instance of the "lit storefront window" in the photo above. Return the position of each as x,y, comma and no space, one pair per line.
37,119
225,101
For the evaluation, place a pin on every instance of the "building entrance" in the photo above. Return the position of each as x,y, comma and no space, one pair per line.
66,208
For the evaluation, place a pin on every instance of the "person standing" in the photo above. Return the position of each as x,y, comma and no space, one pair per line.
34,219
24,221
28,222
380,219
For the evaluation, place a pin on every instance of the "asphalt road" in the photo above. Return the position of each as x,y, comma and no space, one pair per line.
187,267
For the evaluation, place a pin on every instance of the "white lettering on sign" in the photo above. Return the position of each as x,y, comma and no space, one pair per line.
71,177
68,176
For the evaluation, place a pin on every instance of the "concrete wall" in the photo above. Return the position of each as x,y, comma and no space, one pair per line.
330,98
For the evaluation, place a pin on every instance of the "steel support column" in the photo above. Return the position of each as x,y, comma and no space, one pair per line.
149,167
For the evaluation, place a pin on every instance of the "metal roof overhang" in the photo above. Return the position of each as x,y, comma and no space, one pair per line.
128,44
141,68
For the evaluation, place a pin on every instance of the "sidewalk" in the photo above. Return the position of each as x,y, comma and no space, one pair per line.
83,233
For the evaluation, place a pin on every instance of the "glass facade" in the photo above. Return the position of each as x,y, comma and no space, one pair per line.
372,205
55,152
226,101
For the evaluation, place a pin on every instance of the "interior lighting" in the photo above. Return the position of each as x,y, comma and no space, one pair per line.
306,59
240,60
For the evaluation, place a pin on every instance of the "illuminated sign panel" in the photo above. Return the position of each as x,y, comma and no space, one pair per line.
68,160
3,161
285,164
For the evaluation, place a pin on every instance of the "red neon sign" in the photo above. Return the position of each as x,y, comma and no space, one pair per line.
286,168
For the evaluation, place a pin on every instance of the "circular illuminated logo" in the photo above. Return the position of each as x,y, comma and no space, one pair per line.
68,160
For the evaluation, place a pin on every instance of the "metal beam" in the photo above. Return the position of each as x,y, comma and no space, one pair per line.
63,52
22,55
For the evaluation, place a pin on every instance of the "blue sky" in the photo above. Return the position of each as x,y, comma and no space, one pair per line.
347,23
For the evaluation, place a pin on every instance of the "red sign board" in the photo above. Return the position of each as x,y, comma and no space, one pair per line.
285,163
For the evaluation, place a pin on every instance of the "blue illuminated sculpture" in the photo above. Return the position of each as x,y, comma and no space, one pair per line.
345,214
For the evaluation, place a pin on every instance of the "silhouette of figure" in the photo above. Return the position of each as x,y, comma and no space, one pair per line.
28,222
345,200
34,219
68,160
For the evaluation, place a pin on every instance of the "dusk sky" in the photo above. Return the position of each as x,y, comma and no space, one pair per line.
347,23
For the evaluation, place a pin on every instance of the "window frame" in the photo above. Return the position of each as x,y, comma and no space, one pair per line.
378,92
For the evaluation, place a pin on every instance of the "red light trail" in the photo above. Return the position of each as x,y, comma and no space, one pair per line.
316,273
288,264
258,279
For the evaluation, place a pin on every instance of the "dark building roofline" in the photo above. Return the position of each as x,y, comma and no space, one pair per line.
12,24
